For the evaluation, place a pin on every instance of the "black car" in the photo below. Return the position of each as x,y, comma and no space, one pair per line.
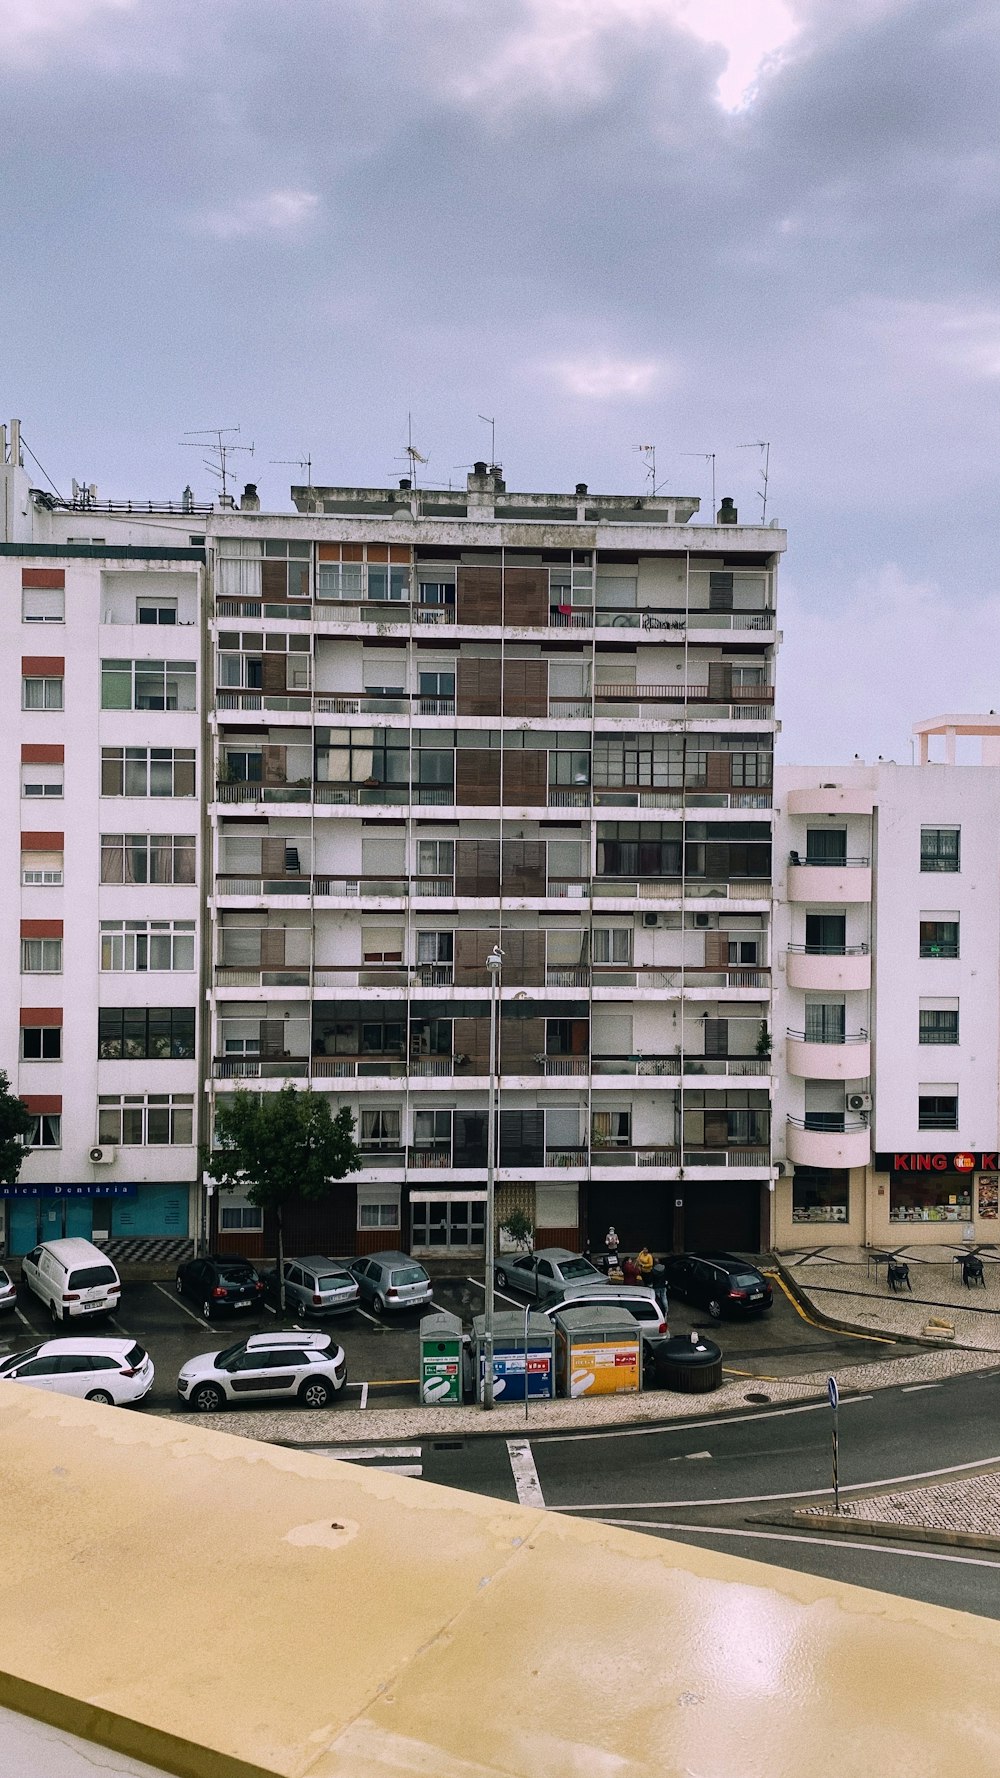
722,1283
220,1282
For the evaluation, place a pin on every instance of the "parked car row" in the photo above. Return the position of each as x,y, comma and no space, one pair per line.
722,1283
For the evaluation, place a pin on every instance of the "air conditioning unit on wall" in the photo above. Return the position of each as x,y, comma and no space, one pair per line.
651,919
859,1101
102,1157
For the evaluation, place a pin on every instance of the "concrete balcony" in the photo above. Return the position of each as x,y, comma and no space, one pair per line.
831,799
848,970
850,1059
850,1146
848,881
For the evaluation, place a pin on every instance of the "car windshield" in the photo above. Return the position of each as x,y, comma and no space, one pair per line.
333,1281
235,1275
746,1280
88,1276
578,1268
409,1275
18,1358
228,1357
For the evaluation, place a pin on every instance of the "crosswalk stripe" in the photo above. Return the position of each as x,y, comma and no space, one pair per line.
372,1456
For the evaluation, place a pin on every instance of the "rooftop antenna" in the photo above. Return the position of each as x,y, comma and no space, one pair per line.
707,457
220,449
489,421
305,463
648,454
761,444
411,454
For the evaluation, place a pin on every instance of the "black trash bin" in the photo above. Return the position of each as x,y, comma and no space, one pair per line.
692,1368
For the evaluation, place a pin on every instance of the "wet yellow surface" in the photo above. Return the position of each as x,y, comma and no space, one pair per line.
222,1607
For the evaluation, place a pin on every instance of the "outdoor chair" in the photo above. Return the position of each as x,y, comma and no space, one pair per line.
899,1275
972,1271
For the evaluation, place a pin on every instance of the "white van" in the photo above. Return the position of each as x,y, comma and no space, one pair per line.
73,1278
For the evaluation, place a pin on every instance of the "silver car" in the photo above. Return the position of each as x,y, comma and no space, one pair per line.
391,1281
306,1367
552,1274
315,1286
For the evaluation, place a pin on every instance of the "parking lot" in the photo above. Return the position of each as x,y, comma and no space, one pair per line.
382,1355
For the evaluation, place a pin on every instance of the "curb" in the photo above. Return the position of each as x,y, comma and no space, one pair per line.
837,1325
884,1528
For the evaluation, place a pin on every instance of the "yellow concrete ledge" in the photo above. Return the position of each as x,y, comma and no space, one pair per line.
225,1609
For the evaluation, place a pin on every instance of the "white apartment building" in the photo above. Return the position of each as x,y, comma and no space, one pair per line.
424,723
887,996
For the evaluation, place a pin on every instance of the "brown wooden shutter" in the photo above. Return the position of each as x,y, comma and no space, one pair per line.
477,595
716,1037
272,947
526,776
273,580
716,861
471,1037
720,591
716,950
272,1037
524,958
477,691
716,1129
272,858
273,767
720,681
477,776
719,771
471,951
524,867
521,1040
525,595
477,867
525,688
275,672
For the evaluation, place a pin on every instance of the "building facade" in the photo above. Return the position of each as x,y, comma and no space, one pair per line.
421,724
887,1001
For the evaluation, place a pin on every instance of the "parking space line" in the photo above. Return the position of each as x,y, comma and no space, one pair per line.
503,1298
172,1297
364,1396
23,1318
522,1463
372,1318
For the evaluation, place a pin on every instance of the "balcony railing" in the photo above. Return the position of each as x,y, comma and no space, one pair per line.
404,612
830,950
725,1157
828,1036
836,1122
828,863
673,1066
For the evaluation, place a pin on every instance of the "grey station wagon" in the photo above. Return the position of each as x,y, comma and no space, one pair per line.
315,1286
391,1281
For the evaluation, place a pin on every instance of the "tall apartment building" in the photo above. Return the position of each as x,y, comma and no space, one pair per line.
887,1002
424,723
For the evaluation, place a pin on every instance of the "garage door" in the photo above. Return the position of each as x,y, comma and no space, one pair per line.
721,1213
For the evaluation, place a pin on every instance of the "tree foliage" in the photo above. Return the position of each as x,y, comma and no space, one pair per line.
15,1125
274,1147
518,1225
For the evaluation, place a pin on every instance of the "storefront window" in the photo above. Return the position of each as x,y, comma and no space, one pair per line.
947,1197
820,1194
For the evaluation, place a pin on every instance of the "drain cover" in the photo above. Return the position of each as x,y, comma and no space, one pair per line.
755,1395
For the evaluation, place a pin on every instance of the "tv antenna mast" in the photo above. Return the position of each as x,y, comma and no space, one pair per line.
648,454
411,456
305,463
212,439
761,444
489,421
707,457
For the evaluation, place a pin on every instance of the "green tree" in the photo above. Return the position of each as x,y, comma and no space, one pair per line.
15,1124
277,1147
518,1225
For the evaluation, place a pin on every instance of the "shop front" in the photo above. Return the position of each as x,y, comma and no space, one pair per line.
819,1206
121,1215
935,1196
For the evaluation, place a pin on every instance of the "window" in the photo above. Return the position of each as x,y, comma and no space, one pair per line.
378,1216
826,935
42,780
139,1120
45,1132
43,605
344,573
569,768
611,1129
820,1194
41,956
938,1109
942,1197
147,771
153,945
41,870
435,858
243,766
236,1212
939,938
432,1130
612,944
939,1024
147,858
147,685
380,1129
145,1033
156,611
743,950
826,845
825,1022
939,848
41,1043
41,694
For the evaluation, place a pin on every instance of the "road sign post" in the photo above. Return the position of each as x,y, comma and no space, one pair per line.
834,1394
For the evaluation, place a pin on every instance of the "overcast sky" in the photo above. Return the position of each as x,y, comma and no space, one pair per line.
691,223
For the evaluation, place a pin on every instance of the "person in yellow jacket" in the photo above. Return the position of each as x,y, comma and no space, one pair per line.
644,1263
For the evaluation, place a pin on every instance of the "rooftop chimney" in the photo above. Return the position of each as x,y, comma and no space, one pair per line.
404,484
727,514
479,468
187,499
581,487
249,499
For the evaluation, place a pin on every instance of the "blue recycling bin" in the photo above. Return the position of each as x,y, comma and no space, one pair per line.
513,1363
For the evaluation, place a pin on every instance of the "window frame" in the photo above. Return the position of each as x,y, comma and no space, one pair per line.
933,858
51,694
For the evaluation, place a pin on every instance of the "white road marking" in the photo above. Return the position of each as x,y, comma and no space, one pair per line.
522,1463
835,1542
172,1297
920,1475
23,1318
362,1453
914,1388
691,1457
807,1407
504,1299
372,1318
364,1396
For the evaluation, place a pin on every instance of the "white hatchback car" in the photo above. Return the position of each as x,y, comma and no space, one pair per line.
306,1367
114,1372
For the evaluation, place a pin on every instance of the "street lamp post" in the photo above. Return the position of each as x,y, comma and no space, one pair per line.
494,964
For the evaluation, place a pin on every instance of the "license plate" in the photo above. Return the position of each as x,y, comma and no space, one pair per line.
243,1303
755,1296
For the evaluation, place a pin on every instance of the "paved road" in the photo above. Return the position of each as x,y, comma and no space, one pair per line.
721,1481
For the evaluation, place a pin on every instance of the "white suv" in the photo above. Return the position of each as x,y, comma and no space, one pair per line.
306,1367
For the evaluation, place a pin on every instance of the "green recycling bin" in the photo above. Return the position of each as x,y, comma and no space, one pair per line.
440,1359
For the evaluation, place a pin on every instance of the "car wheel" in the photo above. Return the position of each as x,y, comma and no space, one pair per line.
55,1313
316,1393
101,1395
207,1399
500,1278
378,1304
206,1309
714,1308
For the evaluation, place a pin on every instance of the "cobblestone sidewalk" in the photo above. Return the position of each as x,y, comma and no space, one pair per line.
843,1282
963,1510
